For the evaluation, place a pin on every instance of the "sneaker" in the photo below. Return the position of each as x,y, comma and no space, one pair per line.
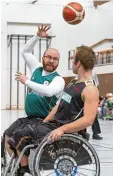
97,137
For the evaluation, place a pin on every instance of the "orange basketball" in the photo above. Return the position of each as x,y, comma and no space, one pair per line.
73,13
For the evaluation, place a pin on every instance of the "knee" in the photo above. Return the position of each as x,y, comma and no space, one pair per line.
21,135
14,140
18,134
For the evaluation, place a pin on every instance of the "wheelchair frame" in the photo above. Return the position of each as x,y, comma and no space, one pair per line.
38,152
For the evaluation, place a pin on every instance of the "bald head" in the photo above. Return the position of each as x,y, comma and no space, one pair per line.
50,59
52,52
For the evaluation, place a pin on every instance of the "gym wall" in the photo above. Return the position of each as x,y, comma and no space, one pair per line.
105,83
92,29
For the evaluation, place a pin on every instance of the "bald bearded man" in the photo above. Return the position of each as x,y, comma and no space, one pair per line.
45,88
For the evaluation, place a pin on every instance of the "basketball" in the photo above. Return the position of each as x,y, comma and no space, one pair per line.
73,13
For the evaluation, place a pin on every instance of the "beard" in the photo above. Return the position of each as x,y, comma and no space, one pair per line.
49,67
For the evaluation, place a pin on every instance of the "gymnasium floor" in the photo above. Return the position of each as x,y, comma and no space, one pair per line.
104,147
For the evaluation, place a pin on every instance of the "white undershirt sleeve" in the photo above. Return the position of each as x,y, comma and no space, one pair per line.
29,58
54,88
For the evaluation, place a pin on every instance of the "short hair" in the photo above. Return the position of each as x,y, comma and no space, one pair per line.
86,56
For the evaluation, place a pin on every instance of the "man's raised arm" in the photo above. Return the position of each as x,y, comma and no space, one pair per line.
29,58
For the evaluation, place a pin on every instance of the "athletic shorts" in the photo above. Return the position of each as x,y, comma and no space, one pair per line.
20,124
31,134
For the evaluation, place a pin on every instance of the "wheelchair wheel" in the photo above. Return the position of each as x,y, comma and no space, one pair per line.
70,156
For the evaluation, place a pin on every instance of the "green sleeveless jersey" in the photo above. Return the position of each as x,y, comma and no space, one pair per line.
36,105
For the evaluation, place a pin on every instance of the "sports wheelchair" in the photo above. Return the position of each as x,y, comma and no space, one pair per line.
72,155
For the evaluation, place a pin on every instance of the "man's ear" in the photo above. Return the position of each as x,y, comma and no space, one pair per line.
78,63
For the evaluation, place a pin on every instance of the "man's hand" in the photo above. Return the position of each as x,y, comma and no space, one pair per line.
55,135
21,77
42,31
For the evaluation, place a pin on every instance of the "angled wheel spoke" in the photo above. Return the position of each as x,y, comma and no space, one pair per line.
47,159
68,156
87,169
81,173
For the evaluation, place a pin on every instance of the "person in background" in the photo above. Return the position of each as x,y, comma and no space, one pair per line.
96,126
109,106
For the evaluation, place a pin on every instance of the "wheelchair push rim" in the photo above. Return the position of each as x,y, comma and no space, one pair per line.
70,156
